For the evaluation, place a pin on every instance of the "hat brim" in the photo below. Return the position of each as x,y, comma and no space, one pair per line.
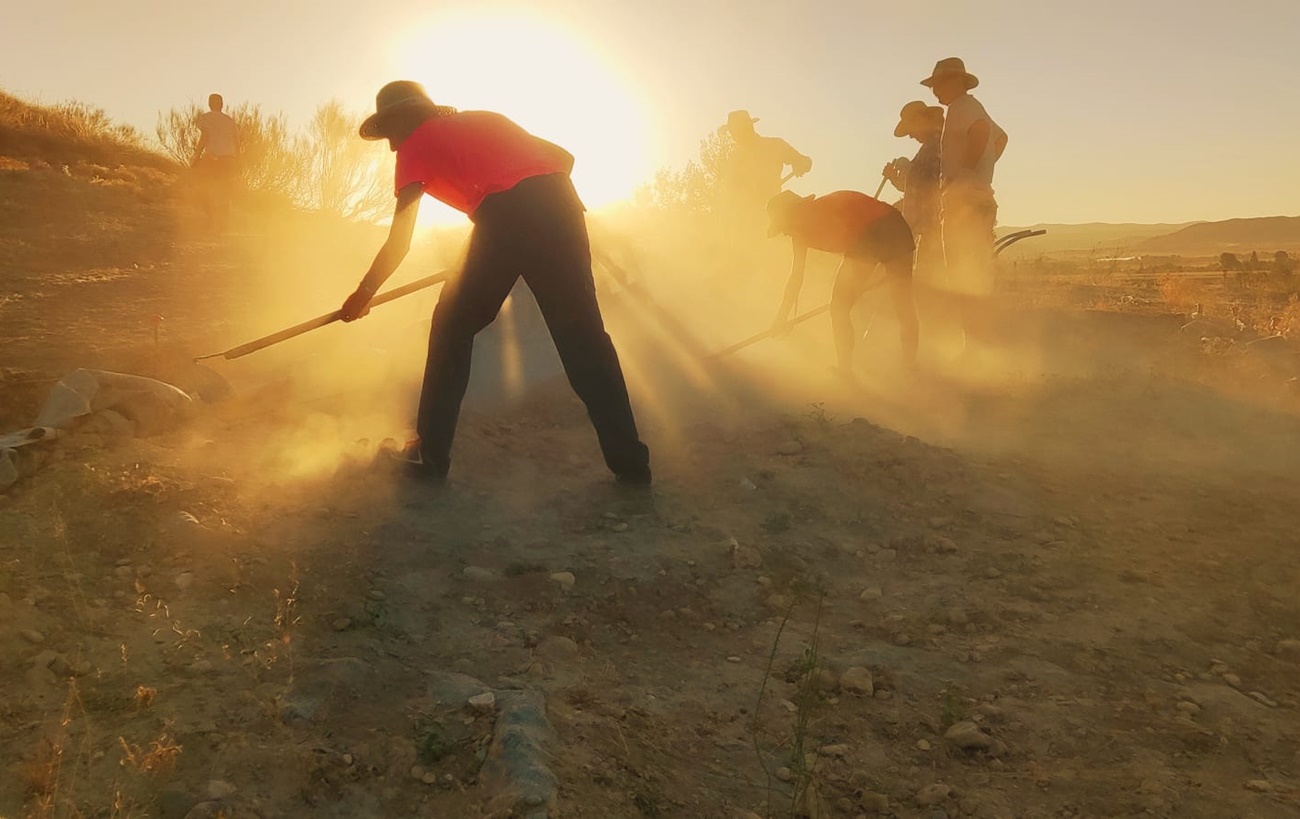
971,80
907,124
728,125
371,128
375,126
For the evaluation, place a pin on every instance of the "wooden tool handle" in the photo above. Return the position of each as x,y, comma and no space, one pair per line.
330,318
754,339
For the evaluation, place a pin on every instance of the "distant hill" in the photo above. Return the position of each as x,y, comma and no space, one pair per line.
1265,234
1098,238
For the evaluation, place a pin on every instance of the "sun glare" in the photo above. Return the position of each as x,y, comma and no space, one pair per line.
550,81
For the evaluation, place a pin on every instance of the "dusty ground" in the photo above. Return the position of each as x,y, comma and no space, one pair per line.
1063,588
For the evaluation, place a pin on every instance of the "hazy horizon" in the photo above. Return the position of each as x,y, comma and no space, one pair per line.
1117,112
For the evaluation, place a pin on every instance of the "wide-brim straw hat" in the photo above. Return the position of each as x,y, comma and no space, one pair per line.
914,113
395,97
738,120
949,67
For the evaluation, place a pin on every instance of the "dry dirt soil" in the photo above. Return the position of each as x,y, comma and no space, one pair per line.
1066,587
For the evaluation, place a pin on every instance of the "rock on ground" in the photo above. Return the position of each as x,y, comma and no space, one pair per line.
515,771
931,795
967,736
857,680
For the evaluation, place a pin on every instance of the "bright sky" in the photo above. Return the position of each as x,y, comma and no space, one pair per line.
1117,110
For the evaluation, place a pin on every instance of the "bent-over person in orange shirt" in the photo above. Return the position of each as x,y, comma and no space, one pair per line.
866,232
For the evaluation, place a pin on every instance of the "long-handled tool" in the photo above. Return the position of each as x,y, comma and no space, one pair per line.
757,337
766,334
328,318
1011,238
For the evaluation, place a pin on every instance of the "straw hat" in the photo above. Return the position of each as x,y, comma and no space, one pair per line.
739,120
916,113
779,208
397,96
950,67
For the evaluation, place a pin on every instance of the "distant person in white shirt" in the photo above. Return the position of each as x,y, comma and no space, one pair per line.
970,146
216,158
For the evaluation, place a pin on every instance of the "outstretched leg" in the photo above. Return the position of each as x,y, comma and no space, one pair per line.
850,283
561,280
468,304
888,242
899,273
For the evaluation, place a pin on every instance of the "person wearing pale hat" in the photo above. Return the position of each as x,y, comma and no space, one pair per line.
969,147
865,232
752,175
529,222
918,179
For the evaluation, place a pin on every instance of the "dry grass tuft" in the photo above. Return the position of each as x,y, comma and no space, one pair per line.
159,757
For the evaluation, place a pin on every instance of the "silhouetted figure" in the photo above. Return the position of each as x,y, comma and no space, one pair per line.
216,160
754,171
970,146
529,222
867,232
918,179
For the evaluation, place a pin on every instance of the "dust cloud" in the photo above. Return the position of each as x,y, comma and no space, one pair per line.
674,291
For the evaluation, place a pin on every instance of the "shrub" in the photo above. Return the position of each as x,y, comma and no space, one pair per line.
326,168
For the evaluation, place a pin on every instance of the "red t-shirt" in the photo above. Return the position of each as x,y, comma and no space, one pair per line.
461,158
835,222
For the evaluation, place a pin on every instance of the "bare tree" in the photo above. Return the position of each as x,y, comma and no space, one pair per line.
177,132
343,174
267,152
694,188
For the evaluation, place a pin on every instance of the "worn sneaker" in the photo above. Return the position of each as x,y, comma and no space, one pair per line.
410,461
634,478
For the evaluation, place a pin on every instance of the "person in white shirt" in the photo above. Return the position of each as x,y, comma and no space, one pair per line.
970,146
216,159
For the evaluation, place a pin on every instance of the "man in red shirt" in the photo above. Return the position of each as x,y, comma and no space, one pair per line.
528,221
867,232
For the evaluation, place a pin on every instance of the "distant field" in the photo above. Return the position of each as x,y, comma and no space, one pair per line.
1264,234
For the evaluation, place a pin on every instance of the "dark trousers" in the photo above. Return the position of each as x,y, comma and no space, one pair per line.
536,230
218,177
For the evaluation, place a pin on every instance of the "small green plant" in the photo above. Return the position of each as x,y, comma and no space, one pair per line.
431,744
437,738
952,712
807,670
